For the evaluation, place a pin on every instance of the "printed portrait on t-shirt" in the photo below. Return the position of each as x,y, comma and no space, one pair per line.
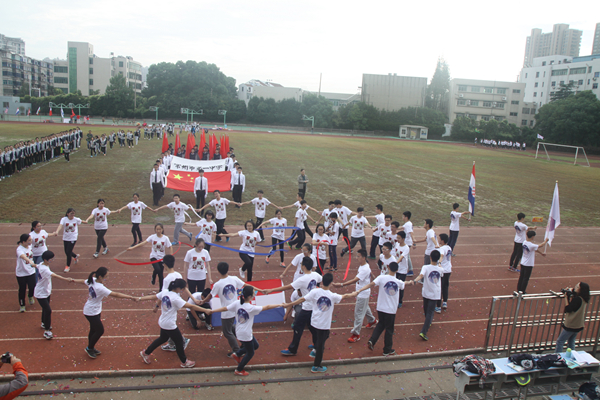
166,301
39,242
311,285
229,292
517,228
526,249
177,211
159,247
70,228
220,207
249,241
434,277
324,303
136,210
260,206
198,262
92,292
242,316
101,217
391,288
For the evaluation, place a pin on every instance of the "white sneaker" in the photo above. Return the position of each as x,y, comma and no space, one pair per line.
48,335
186,342
242,274
95,255
167,347
105,251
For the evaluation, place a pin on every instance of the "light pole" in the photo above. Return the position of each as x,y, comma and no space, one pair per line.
312,119
224,114
189,112
154,108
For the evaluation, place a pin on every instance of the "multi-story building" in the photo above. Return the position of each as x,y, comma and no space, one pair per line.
486,100
546,74
340,99
392,92
561,41
267,90
13,45
596,46
84,71
19,70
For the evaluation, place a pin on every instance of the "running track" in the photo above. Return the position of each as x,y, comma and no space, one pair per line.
479,272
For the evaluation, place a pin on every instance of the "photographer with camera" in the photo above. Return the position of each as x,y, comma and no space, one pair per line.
17,385
577,300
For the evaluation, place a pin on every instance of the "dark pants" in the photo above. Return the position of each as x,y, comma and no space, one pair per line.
46,312
299,239
237,193
67,156
96,329
207,317
196,286
69,246
307,229
158,270
402,277
175,336
257,224
247,267
302,319
524,278
157,190
247,351
386,322
354,240
452,239
428,309
343,232
100,239
135,230
220,228
517,254
302,193
374,245
445,286
200,200
274,241
333,256
24,283
322,336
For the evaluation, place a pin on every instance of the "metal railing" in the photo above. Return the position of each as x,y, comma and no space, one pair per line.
532,323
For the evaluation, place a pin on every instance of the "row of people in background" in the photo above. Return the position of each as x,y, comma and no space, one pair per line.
157,130
502,144
21,155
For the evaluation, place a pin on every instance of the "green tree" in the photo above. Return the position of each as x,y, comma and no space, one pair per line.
118,99
439,88
564,91
318,107
24,91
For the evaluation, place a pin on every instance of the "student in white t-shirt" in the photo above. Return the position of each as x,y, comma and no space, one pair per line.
208,229
136,206
93,306
260,207
528,260
171,302
361,309
446,264
383,231
430,239
322,302
250,238
299,222
220,205
39,241
379,220
278,236
71,224
455,216
387,306
100,215
244,313
320,242
25,270
431,276
358,223
520,235
197,267
43,290
386,258
332,229
343,213
305,251
179,210
408,229
401,252
161,245
298,205
325,214
196,318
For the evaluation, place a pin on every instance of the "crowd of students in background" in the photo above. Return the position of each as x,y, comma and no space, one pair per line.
502,144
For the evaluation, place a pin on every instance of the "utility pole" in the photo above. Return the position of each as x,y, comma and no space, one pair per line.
224,114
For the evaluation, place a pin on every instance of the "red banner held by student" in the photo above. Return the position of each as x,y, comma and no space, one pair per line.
165,143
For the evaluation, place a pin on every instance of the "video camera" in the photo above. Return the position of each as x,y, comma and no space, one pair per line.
568,292
6,358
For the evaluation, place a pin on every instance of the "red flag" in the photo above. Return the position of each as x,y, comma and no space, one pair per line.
72,113
211,146
227,144
177,140
191,142
165,145
223,152
50,113
202,142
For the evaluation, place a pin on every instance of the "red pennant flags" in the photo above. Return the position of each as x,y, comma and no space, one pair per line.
177,143
165,144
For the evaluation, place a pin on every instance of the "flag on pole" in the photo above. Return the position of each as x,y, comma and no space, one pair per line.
38,111
471,194
177,143
165,144
6,110
540,136
72,113
62,113
29,111
50,113
554,218
18,111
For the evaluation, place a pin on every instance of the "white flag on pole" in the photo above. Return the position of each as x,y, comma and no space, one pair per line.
554,218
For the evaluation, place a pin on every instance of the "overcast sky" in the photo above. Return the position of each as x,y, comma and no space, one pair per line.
292,43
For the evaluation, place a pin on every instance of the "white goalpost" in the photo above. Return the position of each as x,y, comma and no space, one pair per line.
578,150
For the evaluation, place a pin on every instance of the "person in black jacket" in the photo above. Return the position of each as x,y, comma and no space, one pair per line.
577,300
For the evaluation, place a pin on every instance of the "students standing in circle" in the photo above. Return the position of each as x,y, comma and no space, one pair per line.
171,302
100,215
249,239
25,270
197,267
43,290
160,246
136,206
278,236
244,313
39,238
71,225
93,306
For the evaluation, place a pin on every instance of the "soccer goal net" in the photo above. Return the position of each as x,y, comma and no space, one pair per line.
562,152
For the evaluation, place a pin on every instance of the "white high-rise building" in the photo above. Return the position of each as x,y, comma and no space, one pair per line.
12,45
596,46
561,41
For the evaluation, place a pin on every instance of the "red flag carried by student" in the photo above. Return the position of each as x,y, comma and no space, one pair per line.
50,113
211,145
177,140
165,144
202,141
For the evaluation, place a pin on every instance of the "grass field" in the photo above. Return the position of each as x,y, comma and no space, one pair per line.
425,178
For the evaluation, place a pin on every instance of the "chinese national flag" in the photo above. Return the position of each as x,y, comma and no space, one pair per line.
184,180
